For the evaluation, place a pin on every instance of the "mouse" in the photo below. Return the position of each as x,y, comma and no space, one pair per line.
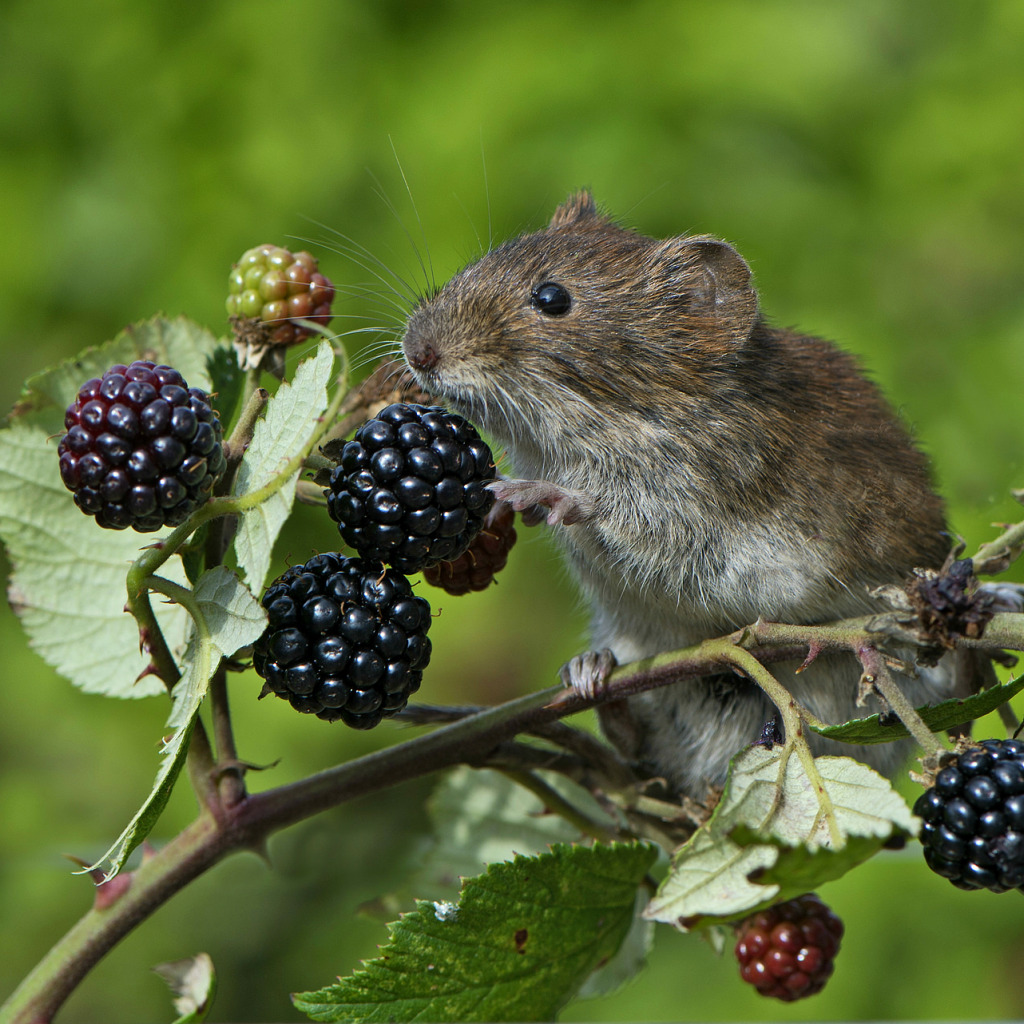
699,467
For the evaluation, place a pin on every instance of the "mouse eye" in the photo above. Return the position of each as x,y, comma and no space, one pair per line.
551,299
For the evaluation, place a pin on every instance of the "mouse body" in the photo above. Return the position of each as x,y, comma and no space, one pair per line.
699,467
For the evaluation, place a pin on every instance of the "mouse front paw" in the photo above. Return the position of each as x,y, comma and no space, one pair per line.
587,673
532,496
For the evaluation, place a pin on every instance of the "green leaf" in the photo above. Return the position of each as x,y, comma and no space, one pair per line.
480,817
521,940
68,580
230,617
193,983
180,343
938,717
287,424
769,839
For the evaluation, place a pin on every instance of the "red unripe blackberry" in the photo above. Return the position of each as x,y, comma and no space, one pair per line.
788,951
142,448
411,488
487,555
278,287
973,830
346,640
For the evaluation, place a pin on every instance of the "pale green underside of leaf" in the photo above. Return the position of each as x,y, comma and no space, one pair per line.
180,343
68,579
193,984
287,423
234,619
938,717
768,841
517,946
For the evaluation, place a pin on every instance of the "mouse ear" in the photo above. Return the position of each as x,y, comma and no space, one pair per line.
717,279
578,211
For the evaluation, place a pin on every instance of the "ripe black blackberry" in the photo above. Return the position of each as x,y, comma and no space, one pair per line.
973,831
411,487
346,640
142,448
788,951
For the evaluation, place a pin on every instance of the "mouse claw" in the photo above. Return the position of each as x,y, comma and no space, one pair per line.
531,496
586,674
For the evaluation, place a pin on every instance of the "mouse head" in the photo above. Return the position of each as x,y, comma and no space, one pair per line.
583,319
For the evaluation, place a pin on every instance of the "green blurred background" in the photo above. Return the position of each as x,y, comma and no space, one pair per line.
868,159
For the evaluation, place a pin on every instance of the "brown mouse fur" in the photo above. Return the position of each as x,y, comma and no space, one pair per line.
700,467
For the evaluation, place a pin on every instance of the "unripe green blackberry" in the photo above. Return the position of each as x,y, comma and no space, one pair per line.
278,287
788,951
486,556
973,830
142,449
346,640
411,488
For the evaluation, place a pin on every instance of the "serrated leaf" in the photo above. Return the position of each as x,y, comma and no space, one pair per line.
68,583
68,580
938,717
193,983
286,425
479,817
180,343
769,838
517,946
232,619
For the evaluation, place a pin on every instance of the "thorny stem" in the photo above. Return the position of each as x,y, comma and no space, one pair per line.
793,716
247,824
877,674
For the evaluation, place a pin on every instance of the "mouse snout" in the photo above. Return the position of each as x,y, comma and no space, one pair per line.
420,349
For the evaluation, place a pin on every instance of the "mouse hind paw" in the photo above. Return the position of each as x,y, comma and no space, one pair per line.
587,673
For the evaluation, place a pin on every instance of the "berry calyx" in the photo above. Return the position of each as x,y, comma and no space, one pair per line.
346,640
277,287
487,555
411,487
973,830
142,448
788,951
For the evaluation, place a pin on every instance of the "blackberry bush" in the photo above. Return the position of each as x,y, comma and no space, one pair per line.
411,487
788,951
278,287
142,448
346,640
973,831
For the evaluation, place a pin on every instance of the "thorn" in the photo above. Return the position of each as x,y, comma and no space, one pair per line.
108,890
149,670
813,650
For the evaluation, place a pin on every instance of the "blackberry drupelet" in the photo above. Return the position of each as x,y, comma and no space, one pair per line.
346,640
788,951
411,487
973,831
487,555
142,449
278,287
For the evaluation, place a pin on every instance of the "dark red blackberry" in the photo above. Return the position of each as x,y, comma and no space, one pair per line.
788,951
411,489
973,831
142,448
487,555
346,639
278,287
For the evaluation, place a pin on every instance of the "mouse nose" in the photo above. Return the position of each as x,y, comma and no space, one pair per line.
419,349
